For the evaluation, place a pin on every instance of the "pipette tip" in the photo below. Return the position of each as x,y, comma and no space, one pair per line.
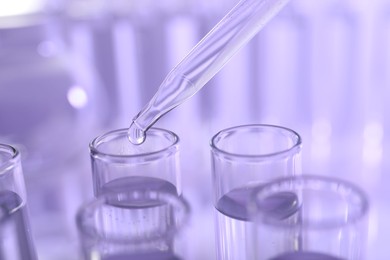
135,134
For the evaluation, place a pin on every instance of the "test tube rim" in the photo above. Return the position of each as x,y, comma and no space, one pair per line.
12,161
149,156
295,148
88,208
327,224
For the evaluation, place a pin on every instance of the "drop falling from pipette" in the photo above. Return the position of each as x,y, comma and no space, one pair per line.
208,57
135,134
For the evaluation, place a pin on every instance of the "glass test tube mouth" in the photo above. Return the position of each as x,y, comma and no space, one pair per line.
115,145
89,213
8,157
256,141
311,212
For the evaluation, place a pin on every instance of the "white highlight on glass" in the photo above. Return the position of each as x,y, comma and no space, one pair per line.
126,55
372,143
95,255
10,8
77,97
373,226
321,134
280,70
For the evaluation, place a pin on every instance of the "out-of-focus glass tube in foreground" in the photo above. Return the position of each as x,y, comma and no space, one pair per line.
133,224
326,220
16,240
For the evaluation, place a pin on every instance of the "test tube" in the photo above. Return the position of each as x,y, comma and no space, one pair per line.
244,157
118,164
133,225
16,241
309,217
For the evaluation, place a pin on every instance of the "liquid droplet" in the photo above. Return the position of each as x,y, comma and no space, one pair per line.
135,134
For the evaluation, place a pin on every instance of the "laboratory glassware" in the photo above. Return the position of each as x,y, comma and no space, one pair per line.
50,105
47,91
133,224
309,217
118,164
16,240
239,26
244,157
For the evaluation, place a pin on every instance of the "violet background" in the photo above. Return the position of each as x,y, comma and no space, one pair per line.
320,68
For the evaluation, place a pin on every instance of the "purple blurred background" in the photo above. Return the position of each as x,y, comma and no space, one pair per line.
73,69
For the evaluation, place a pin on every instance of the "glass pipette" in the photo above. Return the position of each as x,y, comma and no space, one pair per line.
235,30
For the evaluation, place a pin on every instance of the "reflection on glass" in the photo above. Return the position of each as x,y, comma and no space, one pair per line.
133,224
326,221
